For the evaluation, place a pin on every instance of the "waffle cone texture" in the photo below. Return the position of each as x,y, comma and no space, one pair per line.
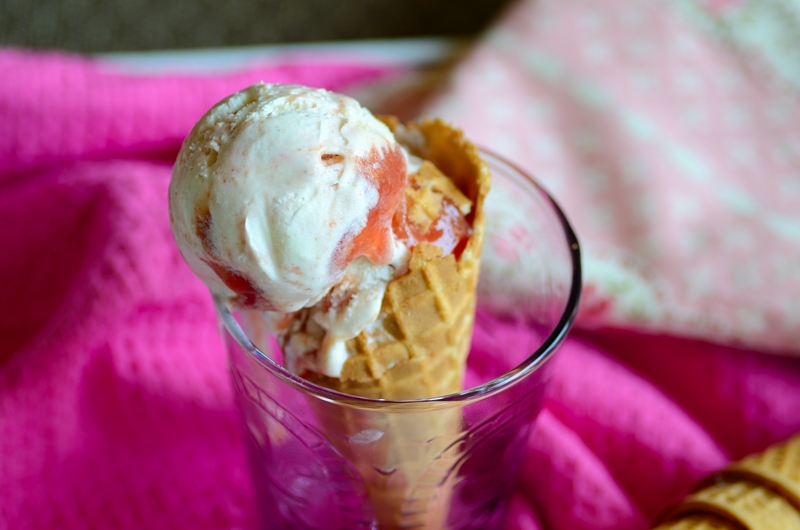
428,313
759,492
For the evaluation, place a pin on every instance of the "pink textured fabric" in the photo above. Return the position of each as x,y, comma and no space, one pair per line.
115,407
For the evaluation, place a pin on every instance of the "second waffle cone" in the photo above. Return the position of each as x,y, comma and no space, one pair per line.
759,492
699,521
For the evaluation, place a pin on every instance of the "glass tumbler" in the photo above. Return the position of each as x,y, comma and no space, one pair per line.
325,460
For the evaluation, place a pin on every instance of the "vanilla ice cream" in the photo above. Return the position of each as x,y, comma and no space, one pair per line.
283,196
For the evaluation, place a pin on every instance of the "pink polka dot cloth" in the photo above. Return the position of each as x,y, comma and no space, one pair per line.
670,132
667,131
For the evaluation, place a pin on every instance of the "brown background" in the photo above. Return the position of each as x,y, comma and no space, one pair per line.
130,25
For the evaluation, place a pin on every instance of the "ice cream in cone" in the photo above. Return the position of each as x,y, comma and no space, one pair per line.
359,243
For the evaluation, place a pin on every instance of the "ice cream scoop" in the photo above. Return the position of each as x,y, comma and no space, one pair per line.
279,188
299,204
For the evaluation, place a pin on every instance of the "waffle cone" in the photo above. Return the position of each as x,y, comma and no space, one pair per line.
761,491
748,504
699,521
427,314
778,467
421,351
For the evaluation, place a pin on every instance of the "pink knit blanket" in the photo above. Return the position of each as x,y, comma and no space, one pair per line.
680,173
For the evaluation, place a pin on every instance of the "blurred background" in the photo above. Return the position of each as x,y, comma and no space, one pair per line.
132,25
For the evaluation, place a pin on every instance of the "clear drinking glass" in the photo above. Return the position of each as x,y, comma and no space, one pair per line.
329,461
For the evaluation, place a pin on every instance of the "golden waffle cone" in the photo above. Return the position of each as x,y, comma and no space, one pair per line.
748,504
427,317
778,467
699,521
760,491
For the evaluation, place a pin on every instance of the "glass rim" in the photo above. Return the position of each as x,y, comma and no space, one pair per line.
525,368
